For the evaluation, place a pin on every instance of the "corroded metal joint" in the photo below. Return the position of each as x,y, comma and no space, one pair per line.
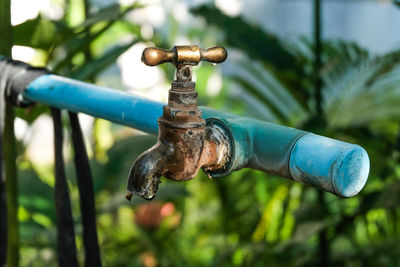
182,128
185,144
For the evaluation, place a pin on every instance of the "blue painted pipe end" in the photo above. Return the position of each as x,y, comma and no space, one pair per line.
338,167
351,174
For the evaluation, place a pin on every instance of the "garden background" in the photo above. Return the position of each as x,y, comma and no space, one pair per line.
331,67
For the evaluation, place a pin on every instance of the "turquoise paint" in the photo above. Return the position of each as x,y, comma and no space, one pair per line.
332,165
338,167
258,144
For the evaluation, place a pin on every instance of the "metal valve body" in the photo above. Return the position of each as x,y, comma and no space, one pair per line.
182,128
184,145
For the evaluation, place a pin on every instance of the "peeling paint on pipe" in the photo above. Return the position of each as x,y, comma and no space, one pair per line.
334,166
259,145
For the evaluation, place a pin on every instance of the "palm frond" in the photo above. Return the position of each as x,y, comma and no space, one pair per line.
360,90
259,86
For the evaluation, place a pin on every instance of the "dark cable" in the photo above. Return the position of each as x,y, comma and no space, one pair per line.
65,225
86,192
15,76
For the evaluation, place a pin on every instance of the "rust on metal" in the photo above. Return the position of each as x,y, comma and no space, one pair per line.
184,143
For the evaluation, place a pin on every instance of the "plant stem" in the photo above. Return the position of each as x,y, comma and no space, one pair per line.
87,52
5,50
9,149
317,54
5,28
323,240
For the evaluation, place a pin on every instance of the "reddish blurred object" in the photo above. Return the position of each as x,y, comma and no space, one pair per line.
150,215
148,259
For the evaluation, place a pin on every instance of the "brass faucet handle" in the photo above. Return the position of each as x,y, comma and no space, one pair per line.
183,55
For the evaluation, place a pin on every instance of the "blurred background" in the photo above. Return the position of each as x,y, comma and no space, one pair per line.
332,70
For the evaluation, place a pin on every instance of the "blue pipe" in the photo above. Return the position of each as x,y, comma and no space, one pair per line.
113,105
338,167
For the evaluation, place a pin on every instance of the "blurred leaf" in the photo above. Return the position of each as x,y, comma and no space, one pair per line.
77,45
108,13
30,114
166,192
306,230
261,46
30,229
114,173
35,195
389,198
39,33
263,85
83,39
92,68
370,84
302,233
258,44
308,211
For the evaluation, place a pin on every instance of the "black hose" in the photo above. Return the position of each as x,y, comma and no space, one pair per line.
86,192
65,225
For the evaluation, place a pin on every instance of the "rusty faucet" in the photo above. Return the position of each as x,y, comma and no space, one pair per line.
185,144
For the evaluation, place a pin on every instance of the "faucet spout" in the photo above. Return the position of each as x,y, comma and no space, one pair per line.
145,173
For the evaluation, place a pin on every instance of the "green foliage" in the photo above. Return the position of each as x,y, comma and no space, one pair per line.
37,33
360,95
365,85
249,218
259,46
